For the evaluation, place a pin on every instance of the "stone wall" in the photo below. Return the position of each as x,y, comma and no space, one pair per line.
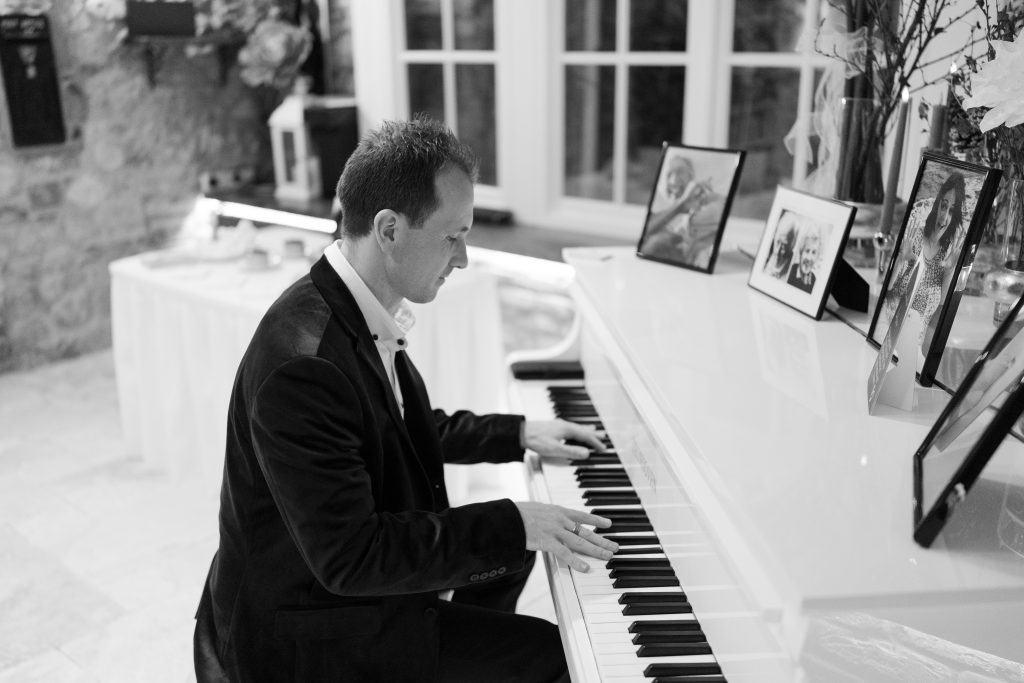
122,183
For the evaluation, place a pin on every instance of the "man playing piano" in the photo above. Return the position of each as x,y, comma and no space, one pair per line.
336,536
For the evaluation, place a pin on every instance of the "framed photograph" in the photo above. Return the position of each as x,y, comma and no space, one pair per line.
800,247
946,214
689,205
985,408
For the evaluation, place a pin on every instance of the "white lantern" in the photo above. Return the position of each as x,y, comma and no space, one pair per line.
296,168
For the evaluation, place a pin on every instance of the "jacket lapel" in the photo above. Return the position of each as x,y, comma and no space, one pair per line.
346,311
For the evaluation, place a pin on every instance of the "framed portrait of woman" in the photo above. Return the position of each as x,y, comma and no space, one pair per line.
689,205
946,214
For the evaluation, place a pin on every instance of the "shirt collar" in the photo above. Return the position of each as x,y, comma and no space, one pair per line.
386,330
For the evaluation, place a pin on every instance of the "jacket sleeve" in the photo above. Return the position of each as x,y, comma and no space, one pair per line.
307,423
467,438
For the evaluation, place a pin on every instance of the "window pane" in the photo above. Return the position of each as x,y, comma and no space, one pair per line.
589,118
655,115
762,111
657,25
767,25
589,25
423,24
474,88
474,24
426,90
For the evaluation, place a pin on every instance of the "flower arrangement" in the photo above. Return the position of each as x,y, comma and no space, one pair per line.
273,53
273,50
880,46
995,92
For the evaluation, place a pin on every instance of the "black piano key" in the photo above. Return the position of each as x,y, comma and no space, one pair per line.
625,527
657,608
622,513
637,550
601,474
670,637
602,458
681,669
667,625
657,596
641,572
651,582
606,483
627,562
673,649
624,516
629,493
630,539
689,679
610,500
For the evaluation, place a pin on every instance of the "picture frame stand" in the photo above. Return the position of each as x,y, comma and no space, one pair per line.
849,289
897,390
894,386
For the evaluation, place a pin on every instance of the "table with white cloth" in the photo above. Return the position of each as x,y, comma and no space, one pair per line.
180,328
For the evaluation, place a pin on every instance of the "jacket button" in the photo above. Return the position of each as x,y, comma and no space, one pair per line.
430,612
501,570
474,577
492,573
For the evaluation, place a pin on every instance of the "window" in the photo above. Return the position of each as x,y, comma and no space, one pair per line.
567,102
450,71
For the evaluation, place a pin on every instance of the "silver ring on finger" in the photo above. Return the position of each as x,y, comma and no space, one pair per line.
576,529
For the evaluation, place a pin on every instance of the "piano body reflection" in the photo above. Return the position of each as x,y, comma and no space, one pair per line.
765,518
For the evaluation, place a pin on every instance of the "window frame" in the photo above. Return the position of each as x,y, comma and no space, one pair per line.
529,63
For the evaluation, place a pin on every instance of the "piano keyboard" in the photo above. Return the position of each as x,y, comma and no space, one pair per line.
639,622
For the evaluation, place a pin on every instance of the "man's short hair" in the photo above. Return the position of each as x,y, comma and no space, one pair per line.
394,167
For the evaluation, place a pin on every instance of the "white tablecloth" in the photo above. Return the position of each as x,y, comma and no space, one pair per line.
180,330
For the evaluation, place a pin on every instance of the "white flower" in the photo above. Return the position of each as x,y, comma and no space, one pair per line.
273,53
999,86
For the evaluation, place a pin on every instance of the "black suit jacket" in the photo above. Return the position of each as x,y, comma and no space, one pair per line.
335,529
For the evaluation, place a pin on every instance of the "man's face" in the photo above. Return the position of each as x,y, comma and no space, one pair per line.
808,257
423,257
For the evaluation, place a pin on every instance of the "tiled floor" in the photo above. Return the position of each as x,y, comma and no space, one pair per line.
101,559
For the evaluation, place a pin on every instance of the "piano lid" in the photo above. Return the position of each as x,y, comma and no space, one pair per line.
771,407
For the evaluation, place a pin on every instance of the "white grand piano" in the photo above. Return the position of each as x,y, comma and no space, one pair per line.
765,516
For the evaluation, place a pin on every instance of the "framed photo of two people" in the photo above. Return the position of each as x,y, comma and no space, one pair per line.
800,248
946,214
689,205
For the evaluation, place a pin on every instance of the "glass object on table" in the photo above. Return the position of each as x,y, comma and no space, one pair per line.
1004,284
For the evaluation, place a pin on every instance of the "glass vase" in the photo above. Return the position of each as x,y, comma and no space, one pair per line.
1004,284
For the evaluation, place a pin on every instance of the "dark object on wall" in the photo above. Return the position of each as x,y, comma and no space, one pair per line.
334,133
30,81
160,18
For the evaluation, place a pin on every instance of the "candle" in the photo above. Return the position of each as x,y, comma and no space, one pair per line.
938,126
895,161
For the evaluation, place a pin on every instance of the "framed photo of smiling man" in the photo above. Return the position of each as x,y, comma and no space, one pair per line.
948,209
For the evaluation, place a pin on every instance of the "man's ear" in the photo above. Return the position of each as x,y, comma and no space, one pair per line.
385,229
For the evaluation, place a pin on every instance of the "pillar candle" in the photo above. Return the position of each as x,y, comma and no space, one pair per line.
895,161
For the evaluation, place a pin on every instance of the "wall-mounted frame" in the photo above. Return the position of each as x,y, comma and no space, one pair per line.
31,85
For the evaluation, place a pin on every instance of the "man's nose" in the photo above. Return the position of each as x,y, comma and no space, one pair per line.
461,258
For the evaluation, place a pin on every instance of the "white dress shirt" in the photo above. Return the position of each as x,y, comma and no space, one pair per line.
388,332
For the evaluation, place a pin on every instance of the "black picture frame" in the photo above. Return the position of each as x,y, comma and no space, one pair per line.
942,282
953,444
689,205
798,221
